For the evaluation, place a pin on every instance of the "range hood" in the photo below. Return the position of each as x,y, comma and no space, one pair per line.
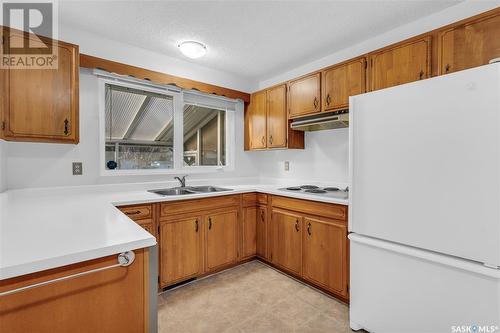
330,120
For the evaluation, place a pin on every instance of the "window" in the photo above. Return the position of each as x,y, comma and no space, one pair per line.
149,129
204,136
139,129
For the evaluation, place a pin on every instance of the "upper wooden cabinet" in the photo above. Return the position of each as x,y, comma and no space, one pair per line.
341,81
469,44
257,120
304,95
266,121
401,63
41,105
277,120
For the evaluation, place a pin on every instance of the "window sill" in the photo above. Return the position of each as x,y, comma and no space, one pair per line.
153,172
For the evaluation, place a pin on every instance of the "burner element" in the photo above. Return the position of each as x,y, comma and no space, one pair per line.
315,191
331,189
309,187
294,188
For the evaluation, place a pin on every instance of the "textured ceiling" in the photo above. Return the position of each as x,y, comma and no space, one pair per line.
253,39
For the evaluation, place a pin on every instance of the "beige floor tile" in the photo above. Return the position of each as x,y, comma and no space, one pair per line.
249,298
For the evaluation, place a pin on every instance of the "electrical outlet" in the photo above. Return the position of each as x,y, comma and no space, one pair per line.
77,168
287,166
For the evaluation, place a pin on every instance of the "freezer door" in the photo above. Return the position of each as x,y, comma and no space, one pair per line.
397,289
424,160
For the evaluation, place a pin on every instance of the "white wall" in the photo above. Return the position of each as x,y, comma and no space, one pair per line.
449,15
42,165
3,165
95,45
324,159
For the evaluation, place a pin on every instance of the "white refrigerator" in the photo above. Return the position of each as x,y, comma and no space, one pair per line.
424,212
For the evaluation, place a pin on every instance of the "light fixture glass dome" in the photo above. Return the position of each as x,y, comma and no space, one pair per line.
192,49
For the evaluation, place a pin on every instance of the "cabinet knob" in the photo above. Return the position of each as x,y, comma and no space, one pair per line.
66,124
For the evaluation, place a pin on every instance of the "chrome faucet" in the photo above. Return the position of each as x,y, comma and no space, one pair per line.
182,180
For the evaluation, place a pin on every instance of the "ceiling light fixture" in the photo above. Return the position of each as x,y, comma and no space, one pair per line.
192,49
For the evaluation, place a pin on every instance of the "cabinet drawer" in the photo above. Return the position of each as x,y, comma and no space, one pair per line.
262,198
333,211
137,212
249,199
184,206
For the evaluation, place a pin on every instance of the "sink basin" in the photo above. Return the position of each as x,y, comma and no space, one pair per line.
189,190
206,189
173,191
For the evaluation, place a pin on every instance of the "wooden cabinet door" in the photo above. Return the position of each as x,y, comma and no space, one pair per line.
469,45
180,250
340,82
277,120
42,104
221,239
249,231
287,240
257,120
304,95
401,64
262,231
325,254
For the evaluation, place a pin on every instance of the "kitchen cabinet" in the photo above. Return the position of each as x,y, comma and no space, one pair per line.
325,253
341,81
401,63
257,120
266,121
111,300
261,231
41,105
304,95
286,247
277,120
249,229
473,43
221,239
180,249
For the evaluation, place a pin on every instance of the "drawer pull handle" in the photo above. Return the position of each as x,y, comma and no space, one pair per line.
263,141
124,259
209,223
297,225
133,213
196,225
309,229
315,102
271,139
328,99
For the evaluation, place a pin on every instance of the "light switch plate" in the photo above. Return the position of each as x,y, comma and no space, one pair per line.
287,166
77,168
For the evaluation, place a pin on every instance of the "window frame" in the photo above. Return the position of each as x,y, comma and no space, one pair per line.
178,154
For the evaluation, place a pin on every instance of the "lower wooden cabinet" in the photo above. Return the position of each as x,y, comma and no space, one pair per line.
261,232
221,239
286,248
324,253
249,231
180,250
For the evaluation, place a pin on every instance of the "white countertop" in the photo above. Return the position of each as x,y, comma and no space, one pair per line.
47,228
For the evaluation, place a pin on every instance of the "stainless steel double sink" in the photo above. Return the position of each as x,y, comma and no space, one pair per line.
189,190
